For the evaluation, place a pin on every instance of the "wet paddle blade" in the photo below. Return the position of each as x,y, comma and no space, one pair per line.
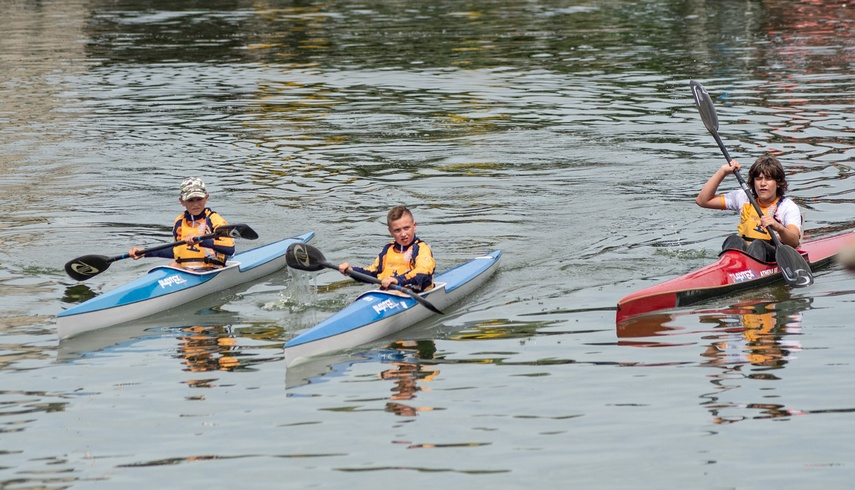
705,106
304,257
794,267
82,268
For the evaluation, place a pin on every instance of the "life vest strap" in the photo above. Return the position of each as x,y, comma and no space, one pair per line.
205,260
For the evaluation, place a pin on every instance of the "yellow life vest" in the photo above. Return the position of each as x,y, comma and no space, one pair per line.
195,255
749,226
413,266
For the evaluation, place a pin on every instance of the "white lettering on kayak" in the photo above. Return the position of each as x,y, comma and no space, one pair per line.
171,281
742,276
388,304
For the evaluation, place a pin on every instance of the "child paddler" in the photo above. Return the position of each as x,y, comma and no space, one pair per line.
768,182
406,261
196,220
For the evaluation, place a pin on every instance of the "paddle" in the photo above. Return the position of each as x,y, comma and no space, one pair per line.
308,258
82,268
794,267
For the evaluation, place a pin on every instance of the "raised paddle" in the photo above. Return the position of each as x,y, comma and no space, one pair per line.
794,267
308,258
82,268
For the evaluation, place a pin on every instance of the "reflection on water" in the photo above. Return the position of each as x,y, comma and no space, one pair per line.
408,373
203,347
764,336
759,334
406,363
762,333
234,348
78,294
208,349
751,340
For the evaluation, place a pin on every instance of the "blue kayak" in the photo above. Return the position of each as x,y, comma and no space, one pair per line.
166,287
376,314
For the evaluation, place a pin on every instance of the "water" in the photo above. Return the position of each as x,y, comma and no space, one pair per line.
562,133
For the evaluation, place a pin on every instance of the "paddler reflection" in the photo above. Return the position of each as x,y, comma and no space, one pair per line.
761,333
751,340
764,336
407,373
208,348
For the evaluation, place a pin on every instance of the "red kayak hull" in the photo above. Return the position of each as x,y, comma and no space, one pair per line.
734,271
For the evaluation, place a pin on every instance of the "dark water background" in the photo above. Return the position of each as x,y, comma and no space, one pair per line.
562,132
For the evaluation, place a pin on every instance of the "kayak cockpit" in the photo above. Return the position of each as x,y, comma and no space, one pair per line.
391,292
195,272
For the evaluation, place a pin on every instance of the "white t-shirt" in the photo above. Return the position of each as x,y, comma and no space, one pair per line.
787,214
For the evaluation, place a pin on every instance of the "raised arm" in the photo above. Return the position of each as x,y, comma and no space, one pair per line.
708,196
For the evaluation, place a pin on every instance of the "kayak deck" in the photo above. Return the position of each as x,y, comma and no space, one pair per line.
376,314
733,271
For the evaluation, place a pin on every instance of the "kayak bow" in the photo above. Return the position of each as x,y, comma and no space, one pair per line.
166,287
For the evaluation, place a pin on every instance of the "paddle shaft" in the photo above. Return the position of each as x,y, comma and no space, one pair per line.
371,279
242,231
88,266
141,253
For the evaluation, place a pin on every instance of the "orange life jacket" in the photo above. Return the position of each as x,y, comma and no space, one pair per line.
196,255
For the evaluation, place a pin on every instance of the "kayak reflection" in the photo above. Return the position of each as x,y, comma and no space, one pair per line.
222,344
206,348
406,364
759,332
749,340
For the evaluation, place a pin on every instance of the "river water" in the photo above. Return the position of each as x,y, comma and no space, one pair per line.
562,132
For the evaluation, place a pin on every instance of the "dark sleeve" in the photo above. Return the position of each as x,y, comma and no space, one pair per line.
165,253
367,272
228,251
418,282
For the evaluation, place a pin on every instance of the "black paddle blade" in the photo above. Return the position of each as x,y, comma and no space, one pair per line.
705,106
794,267
82,268
304,257
237,231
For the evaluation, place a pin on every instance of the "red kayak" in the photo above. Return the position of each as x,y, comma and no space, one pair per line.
734,271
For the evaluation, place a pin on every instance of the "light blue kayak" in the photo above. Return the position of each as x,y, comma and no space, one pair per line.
377,314
166,287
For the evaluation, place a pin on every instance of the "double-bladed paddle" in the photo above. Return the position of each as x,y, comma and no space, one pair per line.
308,258
794,267
82,268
